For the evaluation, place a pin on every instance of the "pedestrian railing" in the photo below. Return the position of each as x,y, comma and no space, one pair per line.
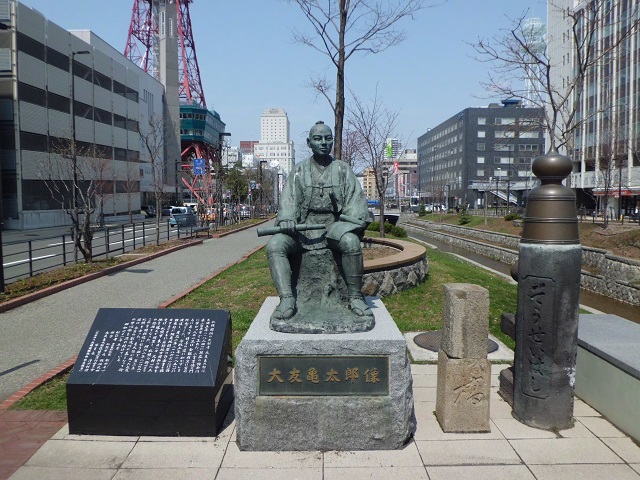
24,259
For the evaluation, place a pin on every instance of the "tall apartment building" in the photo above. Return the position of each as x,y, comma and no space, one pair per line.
480,154
610,102
113,102
275,146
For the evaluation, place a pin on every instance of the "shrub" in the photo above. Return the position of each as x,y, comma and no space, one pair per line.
374,226
512,216
421,211
463,216
388,227
399,232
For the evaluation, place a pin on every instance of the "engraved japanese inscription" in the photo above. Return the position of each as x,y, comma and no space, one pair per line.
538,314
471,389
323,375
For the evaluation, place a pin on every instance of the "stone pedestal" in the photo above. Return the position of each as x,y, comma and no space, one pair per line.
462,402
464,373
348,391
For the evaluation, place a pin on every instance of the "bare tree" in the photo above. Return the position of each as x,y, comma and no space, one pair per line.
341,28
373,124
74,177
153,141
131,185
523,68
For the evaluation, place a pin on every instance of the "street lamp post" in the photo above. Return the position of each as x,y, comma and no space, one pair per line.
260,180
497,197
74,154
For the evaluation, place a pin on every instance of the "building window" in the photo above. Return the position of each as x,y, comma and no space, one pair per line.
480,159
482,121
30,46
34,142
481,147
528,147
480,172
481,133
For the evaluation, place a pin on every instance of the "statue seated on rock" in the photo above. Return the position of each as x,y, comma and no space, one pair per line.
315,257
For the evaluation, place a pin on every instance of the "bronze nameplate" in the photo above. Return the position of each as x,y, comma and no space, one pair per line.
323,375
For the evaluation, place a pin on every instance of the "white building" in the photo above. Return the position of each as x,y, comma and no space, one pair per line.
232,157
114,102
275,146
609,101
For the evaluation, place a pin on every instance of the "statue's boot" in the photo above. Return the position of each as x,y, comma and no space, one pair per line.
281,274
353,267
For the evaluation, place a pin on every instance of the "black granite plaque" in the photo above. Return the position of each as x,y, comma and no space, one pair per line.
363,375
152,372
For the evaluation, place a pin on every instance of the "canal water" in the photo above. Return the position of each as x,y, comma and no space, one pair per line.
590,299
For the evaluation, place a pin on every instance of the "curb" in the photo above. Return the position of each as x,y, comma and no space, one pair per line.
205,280
42,379
246,227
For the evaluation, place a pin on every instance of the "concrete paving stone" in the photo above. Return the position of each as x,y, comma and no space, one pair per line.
601,427
234,458
636,467
577,431
430,381
407,457
625,447
582,409
583,472
481,472
99,438
495,381
177,439
175,455
512,429
396,473
59,473
165,474
424,394
424,369
468,452
563,451
269,474
500,409
72,454
430,429
62,433
424,410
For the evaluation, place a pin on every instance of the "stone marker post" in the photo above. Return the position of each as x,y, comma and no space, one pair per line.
548,300
464,373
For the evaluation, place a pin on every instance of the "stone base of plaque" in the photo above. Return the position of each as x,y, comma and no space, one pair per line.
347,391
115,388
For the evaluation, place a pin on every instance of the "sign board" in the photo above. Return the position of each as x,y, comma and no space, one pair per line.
317,375
152,372
198,166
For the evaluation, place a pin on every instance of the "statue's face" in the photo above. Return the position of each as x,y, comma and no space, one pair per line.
320,140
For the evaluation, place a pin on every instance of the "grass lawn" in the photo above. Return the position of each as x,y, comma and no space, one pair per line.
243,287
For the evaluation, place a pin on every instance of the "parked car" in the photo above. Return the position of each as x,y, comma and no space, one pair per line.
166,210
176,213
148,210
245,211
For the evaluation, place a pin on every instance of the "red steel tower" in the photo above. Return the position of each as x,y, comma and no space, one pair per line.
148,27
161,42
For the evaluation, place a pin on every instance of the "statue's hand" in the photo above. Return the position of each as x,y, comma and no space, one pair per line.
288,227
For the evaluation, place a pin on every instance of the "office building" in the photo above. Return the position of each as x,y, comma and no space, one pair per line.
52,80
605,146
481,154
275,146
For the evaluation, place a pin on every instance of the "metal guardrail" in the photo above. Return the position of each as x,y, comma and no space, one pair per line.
24,259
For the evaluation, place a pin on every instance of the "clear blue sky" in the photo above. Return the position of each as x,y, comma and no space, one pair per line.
249,62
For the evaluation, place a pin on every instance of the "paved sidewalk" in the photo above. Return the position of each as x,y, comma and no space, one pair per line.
43,334
592,449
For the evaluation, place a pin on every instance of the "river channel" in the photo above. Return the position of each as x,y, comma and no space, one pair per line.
589,299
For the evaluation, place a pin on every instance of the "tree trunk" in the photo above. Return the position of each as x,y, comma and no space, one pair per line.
381,198
158,215
340,102
86,246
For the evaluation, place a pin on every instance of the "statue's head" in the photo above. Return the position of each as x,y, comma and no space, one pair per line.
320,139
